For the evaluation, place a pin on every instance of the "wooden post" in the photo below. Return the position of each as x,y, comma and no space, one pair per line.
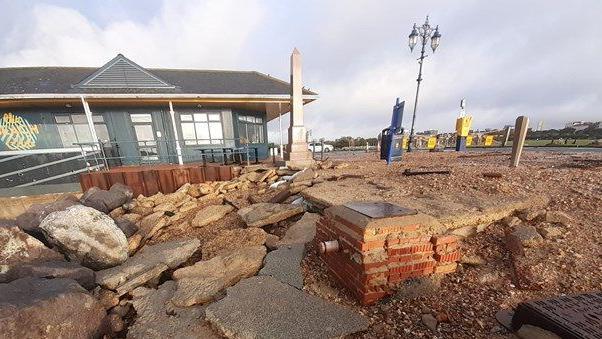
518,141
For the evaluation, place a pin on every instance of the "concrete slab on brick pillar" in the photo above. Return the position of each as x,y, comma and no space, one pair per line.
297,150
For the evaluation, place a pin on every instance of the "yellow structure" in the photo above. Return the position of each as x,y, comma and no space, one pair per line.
488,140
404,143
432,142
463,126
469,140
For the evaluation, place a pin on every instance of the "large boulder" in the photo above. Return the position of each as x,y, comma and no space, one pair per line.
262,214
52,269
210,214
49,308
147,264
86,236
229,240
106,201
157,317
30,220
201,282
19,248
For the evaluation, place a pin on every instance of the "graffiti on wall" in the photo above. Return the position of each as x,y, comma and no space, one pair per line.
16,133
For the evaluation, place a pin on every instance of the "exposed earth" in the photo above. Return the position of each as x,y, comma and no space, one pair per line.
237,259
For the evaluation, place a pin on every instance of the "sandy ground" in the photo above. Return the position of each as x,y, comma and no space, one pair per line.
466,301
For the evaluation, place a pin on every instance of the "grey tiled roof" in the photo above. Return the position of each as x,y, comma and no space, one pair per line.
61,80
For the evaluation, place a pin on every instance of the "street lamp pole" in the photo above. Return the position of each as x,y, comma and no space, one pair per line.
424,32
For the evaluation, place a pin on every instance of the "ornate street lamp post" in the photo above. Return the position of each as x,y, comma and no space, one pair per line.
425,32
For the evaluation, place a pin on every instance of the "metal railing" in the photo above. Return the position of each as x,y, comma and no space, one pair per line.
111,153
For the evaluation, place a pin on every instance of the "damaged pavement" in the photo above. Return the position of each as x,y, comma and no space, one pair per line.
241,258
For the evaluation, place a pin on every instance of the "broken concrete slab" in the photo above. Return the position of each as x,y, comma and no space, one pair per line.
263,307
146,264
471,209
201,282
303,231
158,318
262,214
284,264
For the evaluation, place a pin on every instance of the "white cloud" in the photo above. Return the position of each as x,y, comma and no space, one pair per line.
211,34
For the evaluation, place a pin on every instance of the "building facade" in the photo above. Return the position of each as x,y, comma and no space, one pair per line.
56,122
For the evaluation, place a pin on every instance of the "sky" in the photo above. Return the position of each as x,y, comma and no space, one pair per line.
506,58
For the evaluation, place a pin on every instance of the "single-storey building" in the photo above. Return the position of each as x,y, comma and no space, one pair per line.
56,122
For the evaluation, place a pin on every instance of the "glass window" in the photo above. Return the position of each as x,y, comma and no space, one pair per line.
79,118
206,129
144,132
74,128
250,128
141,118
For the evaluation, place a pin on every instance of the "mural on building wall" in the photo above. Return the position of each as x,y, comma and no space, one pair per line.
17,134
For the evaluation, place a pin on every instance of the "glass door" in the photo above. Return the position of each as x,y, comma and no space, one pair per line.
145,137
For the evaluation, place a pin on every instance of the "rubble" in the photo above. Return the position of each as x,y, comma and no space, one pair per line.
229,240
147,264
20,248
210,214
52,270
87,236
33,216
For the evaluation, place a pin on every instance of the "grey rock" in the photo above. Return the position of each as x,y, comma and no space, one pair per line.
304,175
557,217
523,236
126,225
30,220
429,321
263,307
303,231
158,318
262,214
86,236
146,264
52,269
284,264
106,201
49,308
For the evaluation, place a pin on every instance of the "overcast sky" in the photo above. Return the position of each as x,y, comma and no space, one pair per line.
507,58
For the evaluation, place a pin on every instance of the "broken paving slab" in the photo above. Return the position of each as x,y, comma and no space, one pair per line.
470,209
263,307
284,265
157,317
150,262
303,231
262,214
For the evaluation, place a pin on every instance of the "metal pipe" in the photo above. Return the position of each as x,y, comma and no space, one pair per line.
329,246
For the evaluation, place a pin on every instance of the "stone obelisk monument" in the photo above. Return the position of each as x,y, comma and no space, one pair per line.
298,154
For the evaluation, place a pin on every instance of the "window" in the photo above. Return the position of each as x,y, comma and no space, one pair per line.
145,136
73,128
202,129
250,128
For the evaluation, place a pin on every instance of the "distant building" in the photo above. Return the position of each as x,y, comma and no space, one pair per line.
581,125
429,132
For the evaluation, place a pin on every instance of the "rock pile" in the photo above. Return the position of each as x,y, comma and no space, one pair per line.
100,265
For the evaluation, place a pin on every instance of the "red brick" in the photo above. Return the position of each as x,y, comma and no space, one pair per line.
422,248
443,239
449,257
